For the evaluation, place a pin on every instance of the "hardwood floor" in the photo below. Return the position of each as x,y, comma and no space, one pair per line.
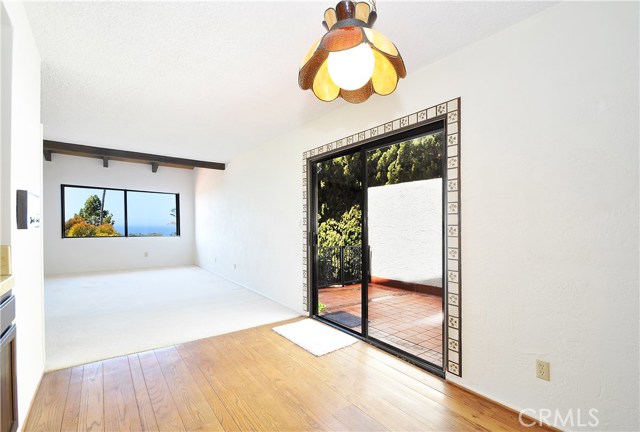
256,380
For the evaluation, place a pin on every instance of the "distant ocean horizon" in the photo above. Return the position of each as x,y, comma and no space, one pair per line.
165,230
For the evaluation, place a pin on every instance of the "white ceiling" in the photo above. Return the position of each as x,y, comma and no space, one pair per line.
212,79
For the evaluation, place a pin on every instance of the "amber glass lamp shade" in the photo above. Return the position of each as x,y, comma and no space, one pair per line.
351,60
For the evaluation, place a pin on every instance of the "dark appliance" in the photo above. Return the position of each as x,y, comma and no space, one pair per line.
8,393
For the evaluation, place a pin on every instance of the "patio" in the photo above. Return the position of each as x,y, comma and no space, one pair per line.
408,320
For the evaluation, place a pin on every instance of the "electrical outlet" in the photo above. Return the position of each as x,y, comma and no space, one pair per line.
543,370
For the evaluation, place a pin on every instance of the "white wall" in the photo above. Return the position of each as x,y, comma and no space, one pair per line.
550,207
102,254
26,173
405,231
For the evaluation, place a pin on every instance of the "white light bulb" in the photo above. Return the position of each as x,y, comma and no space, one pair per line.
352,68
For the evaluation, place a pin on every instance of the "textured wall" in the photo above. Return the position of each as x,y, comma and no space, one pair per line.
113,253
405,231
26,173
549,207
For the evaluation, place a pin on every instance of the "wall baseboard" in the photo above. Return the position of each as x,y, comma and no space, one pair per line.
528,418
409,286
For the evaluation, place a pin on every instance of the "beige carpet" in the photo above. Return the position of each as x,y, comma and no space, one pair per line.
94,316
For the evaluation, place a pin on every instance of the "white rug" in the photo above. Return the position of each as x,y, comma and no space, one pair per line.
317,338
94,316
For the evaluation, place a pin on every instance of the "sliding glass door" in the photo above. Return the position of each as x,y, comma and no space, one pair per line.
337,240
404,208
378,237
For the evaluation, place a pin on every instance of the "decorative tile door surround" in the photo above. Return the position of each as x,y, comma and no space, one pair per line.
449,112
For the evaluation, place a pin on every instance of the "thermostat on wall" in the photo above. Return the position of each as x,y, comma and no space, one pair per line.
27,209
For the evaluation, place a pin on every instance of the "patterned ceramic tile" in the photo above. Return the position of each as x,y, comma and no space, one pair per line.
453,298
453,322
452,276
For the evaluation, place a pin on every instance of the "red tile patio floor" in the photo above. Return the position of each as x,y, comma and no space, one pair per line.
405,319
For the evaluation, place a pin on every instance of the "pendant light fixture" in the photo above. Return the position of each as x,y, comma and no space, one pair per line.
351,60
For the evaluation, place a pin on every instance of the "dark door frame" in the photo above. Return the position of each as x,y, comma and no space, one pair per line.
438,124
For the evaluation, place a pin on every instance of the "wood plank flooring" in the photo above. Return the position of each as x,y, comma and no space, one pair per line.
256,380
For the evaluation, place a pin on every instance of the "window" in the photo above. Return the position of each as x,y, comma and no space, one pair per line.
106,212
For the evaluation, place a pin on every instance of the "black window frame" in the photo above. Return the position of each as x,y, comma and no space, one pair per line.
126,215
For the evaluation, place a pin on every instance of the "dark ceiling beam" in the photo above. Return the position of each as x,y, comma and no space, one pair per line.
50,147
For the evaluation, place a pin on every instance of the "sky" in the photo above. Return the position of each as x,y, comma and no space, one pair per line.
143,208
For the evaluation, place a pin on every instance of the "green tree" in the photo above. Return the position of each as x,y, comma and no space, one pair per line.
91,221
93,212
416,159
345,232
339,186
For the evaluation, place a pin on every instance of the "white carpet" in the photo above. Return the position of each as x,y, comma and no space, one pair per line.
317,338
94,316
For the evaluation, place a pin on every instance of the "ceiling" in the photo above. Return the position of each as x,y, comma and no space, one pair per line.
209,80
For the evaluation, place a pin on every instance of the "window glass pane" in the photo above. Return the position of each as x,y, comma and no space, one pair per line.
82,208
339,249
404,214
152,214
